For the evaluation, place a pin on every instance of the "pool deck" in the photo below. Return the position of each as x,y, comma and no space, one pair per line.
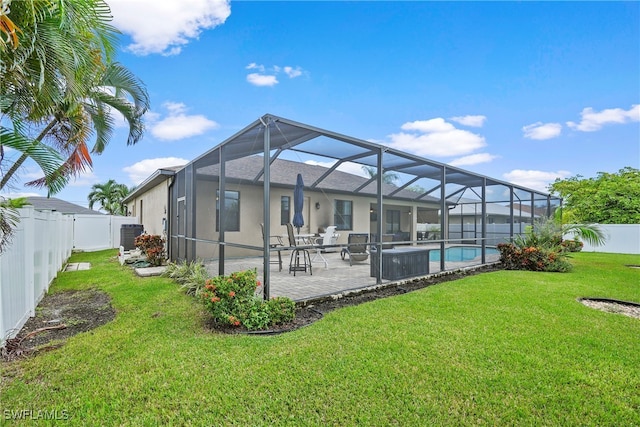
332,279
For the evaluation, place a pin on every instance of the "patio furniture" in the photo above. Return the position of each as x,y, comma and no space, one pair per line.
329,237
356,248
300,258
401,263
387,241
278,243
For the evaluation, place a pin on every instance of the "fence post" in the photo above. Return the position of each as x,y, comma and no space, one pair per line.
28,221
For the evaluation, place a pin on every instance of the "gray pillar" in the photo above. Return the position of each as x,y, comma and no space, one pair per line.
267,213
222,215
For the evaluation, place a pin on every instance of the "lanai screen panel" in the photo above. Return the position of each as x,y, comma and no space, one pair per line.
523,207
428,188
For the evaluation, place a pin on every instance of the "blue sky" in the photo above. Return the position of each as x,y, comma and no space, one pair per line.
524,92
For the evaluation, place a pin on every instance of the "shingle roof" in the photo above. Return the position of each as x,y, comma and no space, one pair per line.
53,204
283,174
152,180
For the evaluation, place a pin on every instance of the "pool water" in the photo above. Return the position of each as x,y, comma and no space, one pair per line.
461,253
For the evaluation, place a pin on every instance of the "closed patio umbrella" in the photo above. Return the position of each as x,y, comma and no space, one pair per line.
298,203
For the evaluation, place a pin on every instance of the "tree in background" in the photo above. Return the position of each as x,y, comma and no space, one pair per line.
9,218
610,198
387,177
109,196
59,85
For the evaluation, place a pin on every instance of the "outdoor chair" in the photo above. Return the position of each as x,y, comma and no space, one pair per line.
328,238
356,248
300,259
274,242
386,238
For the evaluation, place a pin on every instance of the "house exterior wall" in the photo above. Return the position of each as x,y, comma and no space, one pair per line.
251,216
151,208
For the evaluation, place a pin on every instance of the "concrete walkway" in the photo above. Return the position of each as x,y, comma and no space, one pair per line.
77,266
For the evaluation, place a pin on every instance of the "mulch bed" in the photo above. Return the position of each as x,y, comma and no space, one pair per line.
59,316
312,311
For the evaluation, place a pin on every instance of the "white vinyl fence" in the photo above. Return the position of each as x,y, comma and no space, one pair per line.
98,232
621,239
41,246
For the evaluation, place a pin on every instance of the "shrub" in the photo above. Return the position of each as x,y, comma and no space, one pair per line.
534,258
191,276
281,310
232,301
152,245
572,245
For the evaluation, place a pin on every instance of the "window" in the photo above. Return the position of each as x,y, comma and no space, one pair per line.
343,215
393,221
285,210
232,211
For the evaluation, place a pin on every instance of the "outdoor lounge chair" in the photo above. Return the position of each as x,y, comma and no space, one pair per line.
300,259
386,239
356,248
274,242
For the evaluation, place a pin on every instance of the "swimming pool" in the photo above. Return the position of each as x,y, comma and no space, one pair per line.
461,253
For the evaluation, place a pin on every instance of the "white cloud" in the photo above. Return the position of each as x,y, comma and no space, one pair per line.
541,130
141,170
84,179
166,26
269,77
593,120
293,72
437,138
177,124
473,159
262,80
15,195
537,180
474,121
254,66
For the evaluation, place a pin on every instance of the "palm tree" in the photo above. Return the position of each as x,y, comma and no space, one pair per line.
387,177
548,232
109,196
9,218
117,89
59,77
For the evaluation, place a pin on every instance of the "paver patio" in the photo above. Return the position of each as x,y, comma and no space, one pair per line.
336,279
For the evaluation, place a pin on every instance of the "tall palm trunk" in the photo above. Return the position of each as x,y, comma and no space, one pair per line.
12,170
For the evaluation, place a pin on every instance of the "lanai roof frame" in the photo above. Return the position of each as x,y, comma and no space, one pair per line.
271,136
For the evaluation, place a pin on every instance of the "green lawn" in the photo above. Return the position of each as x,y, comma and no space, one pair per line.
501,348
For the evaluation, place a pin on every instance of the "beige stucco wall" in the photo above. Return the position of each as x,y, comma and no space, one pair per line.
251,216
154,204
154,208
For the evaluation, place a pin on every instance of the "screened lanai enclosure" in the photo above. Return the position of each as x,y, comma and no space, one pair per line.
230,208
